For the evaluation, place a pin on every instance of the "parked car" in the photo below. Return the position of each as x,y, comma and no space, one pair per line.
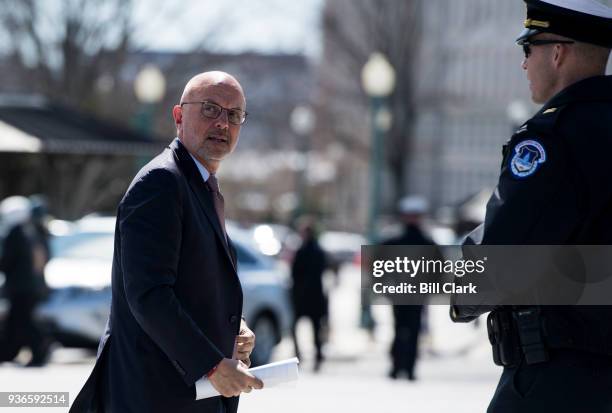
79,275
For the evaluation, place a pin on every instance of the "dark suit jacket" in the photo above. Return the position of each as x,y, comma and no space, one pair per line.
177,299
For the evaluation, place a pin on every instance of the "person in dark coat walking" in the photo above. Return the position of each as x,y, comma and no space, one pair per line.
407,318
309,299
25,253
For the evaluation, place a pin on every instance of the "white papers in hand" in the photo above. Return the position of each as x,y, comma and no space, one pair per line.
273,374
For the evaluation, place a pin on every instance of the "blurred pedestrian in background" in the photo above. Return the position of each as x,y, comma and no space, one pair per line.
309,299
25,253
407,318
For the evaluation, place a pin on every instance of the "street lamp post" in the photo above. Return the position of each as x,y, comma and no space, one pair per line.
149,87
378,81
302,122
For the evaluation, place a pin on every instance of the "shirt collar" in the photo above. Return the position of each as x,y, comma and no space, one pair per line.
205,174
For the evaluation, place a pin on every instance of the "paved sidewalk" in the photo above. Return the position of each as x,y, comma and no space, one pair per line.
455,370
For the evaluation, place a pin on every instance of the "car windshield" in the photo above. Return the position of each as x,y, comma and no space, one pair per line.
83,245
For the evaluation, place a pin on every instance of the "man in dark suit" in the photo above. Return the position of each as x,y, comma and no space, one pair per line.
177,300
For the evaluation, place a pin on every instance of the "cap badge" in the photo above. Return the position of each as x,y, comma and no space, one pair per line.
537,23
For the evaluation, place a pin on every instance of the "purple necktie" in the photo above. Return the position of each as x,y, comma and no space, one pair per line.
213,186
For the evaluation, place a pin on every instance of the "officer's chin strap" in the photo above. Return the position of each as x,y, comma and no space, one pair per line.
529,323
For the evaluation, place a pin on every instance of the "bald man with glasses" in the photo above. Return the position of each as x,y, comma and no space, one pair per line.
176,296
554,189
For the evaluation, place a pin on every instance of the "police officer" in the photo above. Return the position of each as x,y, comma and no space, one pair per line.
407,318
555,189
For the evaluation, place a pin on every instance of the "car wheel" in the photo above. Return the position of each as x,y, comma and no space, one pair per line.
265,339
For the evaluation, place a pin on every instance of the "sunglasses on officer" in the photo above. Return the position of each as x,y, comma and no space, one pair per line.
528,43
212,111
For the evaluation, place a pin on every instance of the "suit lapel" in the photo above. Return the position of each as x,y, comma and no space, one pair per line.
202,193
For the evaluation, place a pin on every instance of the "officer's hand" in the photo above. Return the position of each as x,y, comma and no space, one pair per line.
232,378
245,343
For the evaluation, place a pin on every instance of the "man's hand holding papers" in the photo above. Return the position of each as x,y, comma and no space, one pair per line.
231,378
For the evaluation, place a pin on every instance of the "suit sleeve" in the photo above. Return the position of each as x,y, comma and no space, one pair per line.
150,226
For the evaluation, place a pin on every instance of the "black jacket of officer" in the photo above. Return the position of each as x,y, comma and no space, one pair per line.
554,189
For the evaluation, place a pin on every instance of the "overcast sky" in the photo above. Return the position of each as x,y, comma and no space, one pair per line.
233,26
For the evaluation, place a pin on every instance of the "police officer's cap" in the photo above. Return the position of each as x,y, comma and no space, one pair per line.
585,21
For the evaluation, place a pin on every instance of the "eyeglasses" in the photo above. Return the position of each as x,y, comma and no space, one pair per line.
527,44
213,111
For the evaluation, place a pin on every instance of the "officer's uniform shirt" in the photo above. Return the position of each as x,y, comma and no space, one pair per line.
552,184
555,188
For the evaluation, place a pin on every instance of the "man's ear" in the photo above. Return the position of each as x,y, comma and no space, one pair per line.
177,114
559,54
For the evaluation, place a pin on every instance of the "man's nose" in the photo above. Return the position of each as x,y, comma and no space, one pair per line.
524,63
222,121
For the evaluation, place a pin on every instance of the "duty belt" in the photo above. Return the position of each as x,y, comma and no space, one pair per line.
516,334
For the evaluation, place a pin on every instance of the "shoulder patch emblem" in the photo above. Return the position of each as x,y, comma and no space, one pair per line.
527,158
